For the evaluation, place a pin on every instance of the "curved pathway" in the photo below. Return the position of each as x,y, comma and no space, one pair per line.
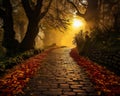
59,75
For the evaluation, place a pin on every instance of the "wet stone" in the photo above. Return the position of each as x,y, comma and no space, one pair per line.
79,91
59,75
64,86
70,93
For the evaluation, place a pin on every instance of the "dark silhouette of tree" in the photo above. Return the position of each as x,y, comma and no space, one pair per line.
34,16
9,41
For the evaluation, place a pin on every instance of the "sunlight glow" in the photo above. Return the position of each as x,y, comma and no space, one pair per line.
84,2
66,38
77,23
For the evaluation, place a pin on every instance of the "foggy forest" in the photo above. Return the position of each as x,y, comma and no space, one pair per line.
59,47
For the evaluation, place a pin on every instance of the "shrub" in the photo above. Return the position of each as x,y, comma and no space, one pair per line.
107,40
8,63
102,46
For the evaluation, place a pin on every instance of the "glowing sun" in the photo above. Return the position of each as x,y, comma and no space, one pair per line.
77,23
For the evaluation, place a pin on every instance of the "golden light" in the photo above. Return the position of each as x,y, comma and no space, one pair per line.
77,23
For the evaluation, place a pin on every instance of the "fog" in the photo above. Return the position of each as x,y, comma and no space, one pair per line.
66,37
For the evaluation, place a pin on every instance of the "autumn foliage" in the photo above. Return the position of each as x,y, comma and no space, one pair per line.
106,82
14,82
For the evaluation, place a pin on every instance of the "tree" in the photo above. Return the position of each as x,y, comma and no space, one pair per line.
34,19
32,30
35,11
9,41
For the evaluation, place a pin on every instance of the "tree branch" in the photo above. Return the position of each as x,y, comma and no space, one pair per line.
38,8
47,9
82,15
27,8
39,5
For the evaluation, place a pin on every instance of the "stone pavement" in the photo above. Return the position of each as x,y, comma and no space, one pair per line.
59,75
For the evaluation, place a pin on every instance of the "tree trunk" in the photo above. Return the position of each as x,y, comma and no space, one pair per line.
32,31
34,16
9,41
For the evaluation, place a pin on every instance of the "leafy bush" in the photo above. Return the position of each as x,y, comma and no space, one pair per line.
101,46
8,63
107,40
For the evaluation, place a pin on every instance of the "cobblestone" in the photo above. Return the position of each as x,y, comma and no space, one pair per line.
59,75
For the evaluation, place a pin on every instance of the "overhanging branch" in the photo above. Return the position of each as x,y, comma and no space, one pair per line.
78,12
47,9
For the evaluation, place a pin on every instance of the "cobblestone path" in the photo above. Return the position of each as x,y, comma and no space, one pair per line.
59,75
